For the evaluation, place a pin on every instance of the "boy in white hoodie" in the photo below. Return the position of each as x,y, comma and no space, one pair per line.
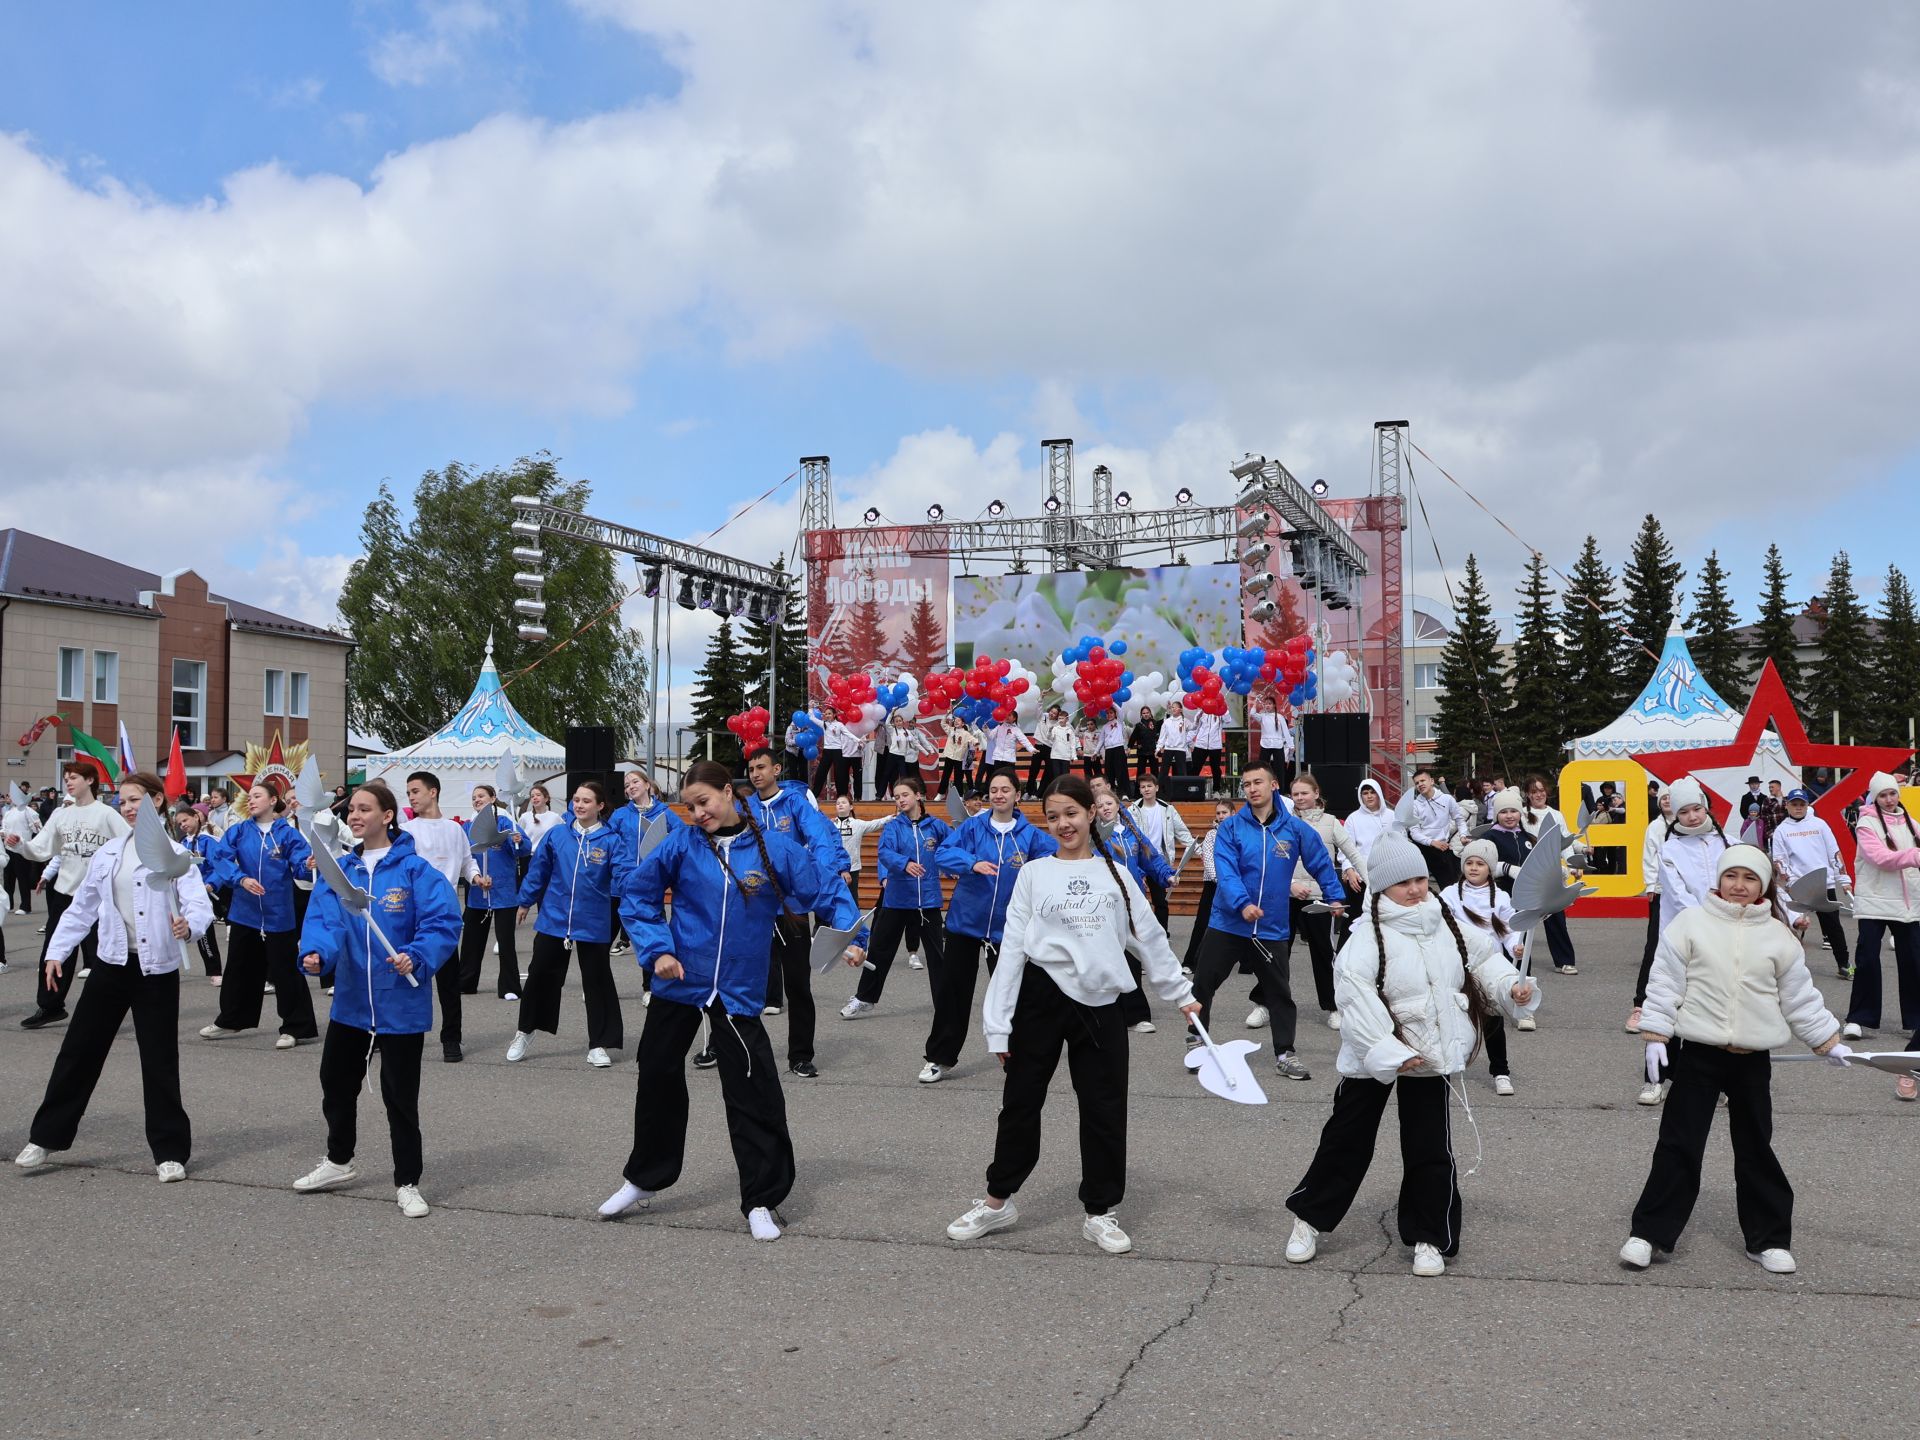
1731,980
1801,844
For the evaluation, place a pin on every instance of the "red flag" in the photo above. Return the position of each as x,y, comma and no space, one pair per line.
176,769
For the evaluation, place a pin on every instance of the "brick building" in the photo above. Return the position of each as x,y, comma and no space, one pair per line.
104,644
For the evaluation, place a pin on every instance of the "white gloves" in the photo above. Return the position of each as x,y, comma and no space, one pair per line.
1656,1057
1839,1055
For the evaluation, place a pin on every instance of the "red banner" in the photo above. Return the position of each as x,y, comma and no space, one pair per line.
873,605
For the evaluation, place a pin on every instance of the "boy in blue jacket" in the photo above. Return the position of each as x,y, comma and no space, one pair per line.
380,1002
1254,855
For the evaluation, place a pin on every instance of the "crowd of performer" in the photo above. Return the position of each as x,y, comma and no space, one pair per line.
1404,911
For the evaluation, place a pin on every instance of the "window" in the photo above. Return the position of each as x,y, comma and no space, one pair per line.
297,695
1423,727
190,703
106,677
275,692
73,671
1426,677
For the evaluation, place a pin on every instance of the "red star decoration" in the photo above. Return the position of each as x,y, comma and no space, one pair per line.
1771,706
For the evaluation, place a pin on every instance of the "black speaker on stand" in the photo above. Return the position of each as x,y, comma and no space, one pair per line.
1337,749
591,756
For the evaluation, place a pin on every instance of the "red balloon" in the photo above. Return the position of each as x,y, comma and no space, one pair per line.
1019,686
1097,654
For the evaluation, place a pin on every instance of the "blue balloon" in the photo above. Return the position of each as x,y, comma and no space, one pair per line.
1126,677
1119,647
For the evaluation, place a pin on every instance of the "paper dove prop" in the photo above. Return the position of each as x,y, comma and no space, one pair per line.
1812,894
1223,1068
353,899
1540,888
165,864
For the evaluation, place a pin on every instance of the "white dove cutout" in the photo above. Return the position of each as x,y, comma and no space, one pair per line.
1223,1068
1812,894
1540,887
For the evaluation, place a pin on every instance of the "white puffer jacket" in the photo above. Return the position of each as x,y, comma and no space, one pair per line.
1687,864
1346,855
1424,986
1887,881
1733,976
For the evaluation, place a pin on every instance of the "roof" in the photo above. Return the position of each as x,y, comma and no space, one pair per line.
33,567
484,729
1678,710
1808,631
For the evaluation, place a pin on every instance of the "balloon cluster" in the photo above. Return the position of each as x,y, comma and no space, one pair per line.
1101,679
1339,678
984,692
1295,670
850,694
750,728
1204,689
807,734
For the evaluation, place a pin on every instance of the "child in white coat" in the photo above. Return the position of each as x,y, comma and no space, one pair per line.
1412,986
1731,980
1476,900
1690,851
1886,901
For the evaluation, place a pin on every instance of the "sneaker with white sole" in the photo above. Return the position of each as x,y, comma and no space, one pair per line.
1636,1254
325,1175
1104,1231
83,973
1289,1065
1525,1022
598,1058
914,962
627,1198
1568,969
510,996
1851,1031
170,1171
1333,1020
931,1074
412,1204
1651,1093
1503,1085
517,1049
854,1008
32,1157
215,1032
982,1218
1303,1244
285,1042
761,1221
1427,1260
646,999
770,1010
1257,1018
1144,1027
1775,1261
1633,1021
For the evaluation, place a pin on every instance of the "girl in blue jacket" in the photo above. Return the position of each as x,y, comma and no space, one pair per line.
190,824
571,879
257,861
380,1002
492,898
730,881
909,873
986,853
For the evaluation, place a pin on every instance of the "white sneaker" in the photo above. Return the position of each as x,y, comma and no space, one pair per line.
646,999
496,947
518,1049
914,962
285,1042
1652,1093
1636,1254
169,1171
1774,1262
598,1058
1104,1231
1333,1020
214,1032
1144,1027
269,989
1851,1031
1303,1244
982,1218
761,1222
1427,1261
771,1010
509,996
1503,1084
1525,1022
931,1074
85,971
628,1197
412,1205
1257,1017
854,1007
32,1157
325,1175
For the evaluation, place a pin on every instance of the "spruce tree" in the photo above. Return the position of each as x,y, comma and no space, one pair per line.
1773,632
1589,626
1535,727
1841,676
1651,582
1473,694
1717,651
1895,671
719,692
761,639
926,640
866,640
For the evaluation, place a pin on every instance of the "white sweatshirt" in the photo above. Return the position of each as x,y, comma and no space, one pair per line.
1070,918
1800,847
1470,904
1005,743
73,834
443,844
535,827
853,836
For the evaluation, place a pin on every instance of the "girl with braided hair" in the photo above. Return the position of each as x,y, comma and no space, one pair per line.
1074,921
1477,900
1413,986
731,880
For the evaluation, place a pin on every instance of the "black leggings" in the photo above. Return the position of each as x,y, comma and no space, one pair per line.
343,1066
890,925
473,950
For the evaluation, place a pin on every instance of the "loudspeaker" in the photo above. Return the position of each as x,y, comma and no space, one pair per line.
1340,786
590,756
1184,787
1335,739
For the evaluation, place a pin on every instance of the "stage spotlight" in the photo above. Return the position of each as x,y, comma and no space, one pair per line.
1320,487
935,511
1258,584
1255,553
706,594
685,598
1183,496
872,515
723,602
530,555
754,612
1248,470
533,634
996,507
1339,600
652,587
532,609
1122,500
1053,504
1253,525
1264,611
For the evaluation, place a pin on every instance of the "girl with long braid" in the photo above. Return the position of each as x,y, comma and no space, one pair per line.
730,880
1690,851
1412,987
1073,922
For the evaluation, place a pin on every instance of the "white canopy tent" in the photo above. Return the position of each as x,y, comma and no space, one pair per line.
466,751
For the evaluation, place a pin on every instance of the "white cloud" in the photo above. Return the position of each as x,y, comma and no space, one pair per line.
438,47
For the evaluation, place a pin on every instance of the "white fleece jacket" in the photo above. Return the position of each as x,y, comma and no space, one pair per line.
1733,976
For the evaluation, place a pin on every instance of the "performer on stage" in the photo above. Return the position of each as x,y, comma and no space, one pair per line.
136,971
1210,748
571,882
1176,742
72,834
1073,922
1145,739
493,898
1275,736
375,1007
258,860
910,886
953,756
1731,980
730,879
1477,900
1413,986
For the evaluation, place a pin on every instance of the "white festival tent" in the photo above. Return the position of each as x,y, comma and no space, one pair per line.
1679,710
466,751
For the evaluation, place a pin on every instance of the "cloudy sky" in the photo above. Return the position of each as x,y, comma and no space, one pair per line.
1605,257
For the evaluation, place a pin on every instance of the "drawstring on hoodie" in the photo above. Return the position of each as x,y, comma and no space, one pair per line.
1479,1152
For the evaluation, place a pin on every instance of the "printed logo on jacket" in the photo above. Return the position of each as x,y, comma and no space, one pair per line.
394,901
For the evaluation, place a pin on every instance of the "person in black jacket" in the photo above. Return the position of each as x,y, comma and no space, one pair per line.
1146,744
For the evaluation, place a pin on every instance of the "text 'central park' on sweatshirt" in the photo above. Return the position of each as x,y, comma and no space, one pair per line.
979,904
1253,864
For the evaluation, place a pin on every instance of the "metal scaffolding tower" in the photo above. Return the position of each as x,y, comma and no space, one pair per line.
1057,504
1390,520
816,492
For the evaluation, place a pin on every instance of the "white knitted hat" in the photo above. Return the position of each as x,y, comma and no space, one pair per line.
1881,781
1746,857
1687,791
1393,859
1508,799
1483,849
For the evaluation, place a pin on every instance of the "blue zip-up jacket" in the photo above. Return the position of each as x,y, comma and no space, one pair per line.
1253,865
571,878
276,860
791,813
629,820
903,841
979,904
1128,846
418,912
205,848
721,930
499,863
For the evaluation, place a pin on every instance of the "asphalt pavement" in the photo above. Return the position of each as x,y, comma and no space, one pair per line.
230,1306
